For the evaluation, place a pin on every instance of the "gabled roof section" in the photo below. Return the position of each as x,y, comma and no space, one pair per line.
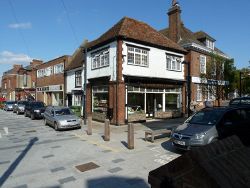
77,60
203,35
131,29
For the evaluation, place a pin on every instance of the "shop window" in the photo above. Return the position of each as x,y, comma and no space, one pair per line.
100,99
135,102
172,101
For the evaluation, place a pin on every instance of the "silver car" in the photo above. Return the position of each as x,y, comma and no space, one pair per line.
61,118
19,107
199,130
8,106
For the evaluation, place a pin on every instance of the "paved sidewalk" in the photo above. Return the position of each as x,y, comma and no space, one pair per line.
34,155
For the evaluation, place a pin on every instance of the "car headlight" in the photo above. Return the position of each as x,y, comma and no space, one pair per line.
37,111
199,136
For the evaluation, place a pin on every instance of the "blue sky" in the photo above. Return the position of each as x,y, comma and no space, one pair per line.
42,29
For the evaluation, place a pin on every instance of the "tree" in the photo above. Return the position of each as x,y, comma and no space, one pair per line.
213,82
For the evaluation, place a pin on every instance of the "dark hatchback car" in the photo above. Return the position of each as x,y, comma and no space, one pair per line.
211,124
34,110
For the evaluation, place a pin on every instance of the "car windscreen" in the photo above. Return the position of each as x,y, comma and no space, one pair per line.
64,111
207,118
11,102
37,105
23,102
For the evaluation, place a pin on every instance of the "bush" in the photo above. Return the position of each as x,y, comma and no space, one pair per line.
76,110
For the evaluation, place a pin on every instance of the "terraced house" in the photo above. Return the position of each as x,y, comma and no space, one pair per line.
199,45
50,81
129,76
20,82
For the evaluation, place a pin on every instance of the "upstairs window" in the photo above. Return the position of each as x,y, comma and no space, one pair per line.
48,71
137,56
100,59
203,64
210,44
59,68
173,63
40,73
25,80
198,93
78,78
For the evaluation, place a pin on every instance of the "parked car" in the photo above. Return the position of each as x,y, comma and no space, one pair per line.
61,118
34,109
19,107
211,124
240,101
8,106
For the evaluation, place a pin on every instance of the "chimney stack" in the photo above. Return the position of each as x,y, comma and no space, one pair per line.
174,14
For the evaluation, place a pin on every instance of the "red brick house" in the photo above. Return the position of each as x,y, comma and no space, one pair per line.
50,81
134,72
20,82
199,46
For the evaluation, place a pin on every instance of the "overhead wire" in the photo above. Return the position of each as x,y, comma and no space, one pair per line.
19,30
70,23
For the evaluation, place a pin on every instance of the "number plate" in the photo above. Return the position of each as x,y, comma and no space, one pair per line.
179,142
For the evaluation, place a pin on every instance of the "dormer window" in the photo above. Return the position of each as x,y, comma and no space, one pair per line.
210,44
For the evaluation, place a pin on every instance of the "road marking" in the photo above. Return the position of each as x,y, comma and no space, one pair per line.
97,143
6,130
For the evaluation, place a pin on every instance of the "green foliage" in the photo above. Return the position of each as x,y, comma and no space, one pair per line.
76,110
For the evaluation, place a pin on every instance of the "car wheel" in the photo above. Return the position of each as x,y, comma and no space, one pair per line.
32,116
214,140
56,126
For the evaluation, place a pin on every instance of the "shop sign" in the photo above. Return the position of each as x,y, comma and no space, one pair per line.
55,88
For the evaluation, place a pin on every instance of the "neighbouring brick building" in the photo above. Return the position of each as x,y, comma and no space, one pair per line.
199,46
20,82
50,81
129,74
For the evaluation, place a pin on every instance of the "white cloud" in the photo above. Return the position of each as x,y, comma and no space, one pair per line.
7,57
26,25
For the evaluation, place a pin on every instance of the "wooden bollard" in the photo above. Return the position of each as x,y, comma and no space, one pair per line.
131,136
107,130
89,131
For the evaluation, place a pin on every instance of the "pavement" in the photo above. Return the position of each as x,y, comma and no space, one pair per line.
35,155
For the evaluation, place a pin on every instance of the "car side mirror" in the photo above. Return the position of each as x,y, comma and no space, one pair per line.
228,123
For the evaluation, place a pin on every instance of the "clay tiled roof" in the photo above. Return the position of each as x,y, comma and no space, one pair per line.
130,29
202,35
188,37
77,60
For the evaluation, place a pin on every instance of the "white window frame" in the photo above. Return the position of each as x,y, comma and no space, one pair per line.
198,92
78,78
100,59
210,44
137,56
77,100
203,64
58,68
173,63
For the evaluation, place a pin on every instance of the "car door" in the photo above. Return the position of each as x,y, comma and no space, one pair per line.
51,116
243,128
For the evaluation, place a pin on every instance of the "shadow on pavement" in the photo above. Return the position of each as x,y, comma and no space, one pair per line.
168,146
13,166
115,182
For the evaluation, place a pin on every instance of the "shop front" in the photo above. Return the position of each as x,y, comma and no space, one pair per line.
51,95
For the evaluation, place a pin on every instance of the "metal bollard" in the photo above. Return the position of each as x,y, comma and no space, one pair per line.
89,131
131,136
107,130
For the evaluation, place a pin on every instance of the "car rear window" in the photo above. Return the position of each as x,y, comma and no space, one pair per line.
38,104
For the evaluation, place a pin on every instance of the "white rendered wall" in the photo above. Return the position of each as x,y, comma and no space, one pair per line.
157,64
